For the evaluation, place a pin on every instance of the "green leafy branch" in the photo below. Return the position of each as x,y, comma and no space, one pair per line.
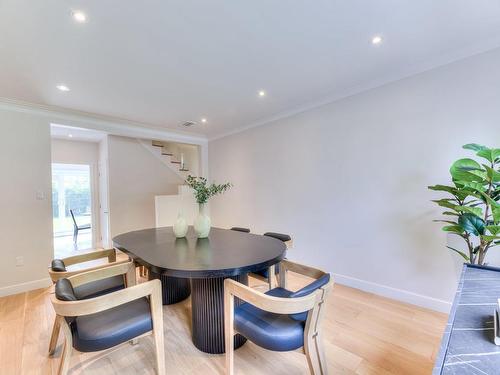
474,203
203,191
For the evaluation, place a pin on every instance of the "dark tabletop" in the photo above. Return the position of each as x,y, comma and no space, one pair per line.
224,253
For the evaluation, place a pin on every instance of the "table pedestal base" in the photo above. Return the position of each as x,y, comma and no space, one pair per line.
207,301
173,289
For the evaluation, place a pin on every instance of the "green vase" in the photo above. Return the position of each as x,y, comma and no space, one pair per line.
202,222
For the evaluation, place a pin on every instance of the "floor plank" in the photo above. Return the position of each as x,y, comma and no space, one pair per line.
364,334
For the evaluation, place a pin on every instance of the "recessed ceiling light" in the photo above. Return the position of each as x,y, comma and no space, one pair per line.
63,87
262,93
79,16
70,135
377,39
204,120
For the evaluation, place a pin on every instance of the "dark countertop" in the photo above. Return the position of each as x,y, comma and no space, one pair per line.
224,253
467,346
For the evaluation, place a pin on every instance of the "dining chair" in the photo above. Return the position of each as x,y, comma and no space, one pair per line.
103,322
266,274
76,227
58,270
280,319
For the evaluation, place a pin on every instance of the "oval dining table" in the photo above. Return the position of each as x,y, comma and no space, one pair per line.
198,266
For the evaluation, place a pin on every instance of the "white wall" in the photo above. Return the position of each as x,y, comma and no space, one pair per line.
78,152
135,178
25,221
348,180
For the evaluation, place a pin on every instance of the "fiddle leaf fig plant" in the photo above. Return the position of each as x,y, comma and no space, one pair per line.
472,207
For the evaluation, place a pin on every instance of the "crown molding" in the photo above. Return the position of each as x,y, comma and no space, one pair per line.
107,124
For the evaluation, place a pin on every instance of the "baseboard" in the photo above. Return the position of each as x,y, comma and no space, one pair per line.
394,293
25,287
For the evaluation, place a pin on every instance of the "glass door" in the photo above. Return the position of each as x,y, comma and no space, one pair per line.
71,208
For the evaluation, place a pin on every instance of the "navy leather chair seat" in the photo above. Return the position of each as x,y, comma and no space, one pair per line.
271,331
265,272
111,327
278,332
100,287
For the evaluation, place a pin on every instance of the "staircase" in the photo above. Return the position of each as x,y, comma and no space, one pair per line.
179,157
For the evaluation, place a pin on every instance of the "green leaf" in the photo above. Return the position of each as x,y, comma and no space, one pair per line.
445,221
476,186
489,154
493,229
471,224
453,228
474,147
467,170
462,254
450,213
490,238
477,211
445,203
493,176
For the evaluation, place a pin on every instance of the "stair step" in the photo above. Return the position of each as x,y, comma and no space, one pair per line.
157,143
184,170
167,153
175,162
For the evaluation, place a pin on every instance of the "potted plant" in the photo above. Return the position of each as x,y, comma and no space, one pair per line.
473,208
202,192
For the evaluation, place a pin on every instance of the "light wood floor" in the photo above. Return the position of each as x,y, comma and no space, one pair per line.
364,334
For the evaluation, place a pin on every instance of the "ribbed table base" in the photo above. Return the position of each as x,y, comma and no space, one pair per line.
173,289
207,301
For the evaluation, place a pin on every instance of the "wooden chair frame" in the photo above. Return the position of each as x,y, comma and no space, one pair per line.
271,276
151,289
86,257
313,303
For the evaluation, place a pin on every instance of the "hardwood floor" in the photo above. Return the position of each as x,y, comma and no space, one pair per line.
364,334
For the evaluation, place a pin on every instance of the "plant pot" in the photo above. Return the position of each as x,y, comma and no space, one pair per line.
180,226
202,223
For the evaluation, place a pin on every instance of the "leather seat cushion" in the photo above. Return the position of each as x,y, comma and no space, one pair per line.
58,266
111,327
99,287
239,229
280,236
271,331
265,272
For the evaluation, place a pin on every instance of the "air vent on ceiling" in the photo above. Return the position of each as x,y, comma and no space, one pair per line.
187,124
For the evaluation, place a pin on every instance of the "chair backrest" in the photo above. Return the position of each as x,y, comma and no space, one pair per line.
309,288
73,217
239,229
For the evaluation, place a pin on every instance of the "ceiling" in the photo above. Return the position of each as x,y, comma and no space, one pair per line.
162,62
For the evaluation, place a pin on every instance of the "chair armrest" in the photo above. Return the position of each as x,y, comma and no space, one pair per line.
124,268
272,304
94,305
287,265
60,275
93,255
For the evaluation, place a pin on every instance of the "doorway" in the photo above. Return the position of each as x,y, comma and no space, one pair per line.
72,208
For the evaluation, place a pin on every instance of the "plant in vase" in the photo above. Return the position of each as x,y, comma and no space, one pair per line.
474,207
202,192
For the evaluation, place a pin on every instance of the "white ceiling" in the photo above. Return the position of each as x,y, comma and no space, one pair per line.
163,62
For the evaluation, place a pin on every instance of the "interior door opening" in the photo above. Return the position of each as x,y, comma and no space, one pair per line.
71,208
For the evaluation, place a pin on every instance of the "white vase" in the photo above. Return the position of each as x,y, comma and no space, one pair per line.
180,226
202,223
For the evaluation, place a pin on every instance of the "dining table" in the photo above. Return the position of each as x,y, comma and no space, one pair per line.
197,267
